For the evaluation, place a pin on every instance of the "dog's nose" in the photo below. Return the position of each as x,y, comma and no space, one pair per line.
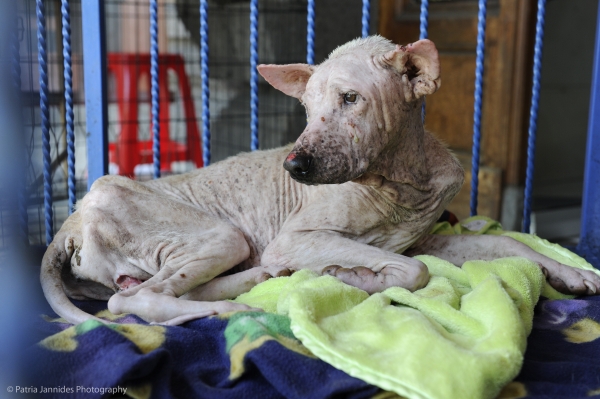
298,165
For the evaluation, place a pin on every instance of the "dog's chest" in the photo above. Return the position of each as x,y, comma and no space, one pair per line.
363,214
397,237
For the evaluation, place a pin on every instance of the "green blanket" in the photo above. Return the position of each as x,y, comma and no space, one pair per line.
463,335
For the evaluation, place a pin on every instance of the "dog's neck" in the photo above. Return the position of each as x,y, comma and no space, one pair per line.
404,159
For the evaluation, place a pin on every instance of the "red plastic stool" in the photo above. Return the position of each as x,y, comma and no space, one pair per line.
128,151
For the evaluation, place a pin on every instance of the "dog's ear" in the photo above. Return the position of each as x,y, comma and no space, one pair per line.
290,79
419,65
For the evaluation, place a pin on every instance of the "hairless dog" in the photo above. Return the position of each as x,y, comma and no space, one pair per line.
356,197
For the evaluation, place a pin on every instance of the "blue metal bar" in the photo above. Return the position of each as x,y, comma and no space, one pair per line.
366,17
45,113
535,95
589,242
155,90
205,86
481,22
424,20
253,75
310,32
68,75
94,73
423,34
16,78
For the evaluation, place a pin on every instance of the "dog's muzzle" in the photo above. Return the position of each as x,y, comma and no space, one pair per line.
300,166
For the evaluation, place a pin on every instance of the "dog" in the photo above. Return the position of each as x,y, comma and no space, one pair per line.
356,197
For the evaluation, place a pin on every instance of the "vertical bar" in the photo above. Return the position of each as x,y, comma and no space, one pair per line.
68,77
479,64
205,86
310,32
535,95
155,90
12,179
423,34
589,243
424,20
94,74
45,114
366,17
16,78
253,75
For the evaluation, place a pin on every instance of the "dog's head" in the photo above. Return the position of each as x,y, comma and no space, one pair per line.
357,104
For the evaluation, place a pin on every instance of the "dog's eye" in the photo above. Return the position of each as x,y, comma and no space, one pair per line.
350,98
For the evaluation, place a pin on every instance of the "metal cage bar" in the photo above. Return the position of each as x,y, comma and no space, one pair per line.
16,78
589,243
155,88
424,34
310,32
253,75
424,20
69,117
45,114
94,54
533,113
478,95
205,85
366,17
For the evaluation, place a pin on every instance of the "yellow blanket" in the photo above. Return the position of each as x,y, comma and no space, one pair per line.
462,336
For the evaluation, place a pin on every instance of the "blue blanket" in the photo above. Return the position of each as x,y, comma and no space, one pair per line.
255,355
240,355
563,351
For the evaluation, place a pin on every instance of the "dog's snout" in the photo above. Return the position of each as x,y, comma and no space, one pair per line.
298,165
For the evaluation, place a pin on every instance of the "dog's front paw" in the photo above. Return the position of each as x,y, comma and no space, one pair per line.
412,276
570,280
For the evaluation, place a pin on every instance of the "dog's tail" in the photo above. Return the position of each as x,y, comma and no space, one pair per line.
53,266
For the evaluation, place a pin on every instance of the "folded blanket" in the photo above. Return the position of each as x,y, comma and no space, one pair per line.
463,335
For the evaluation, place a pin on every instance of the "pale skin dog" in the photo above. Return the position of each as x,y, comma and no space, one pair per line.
355,198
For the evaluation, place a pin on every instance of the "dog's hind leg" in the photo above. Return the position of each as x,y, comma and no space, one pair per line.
152,248
458,249
233,285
